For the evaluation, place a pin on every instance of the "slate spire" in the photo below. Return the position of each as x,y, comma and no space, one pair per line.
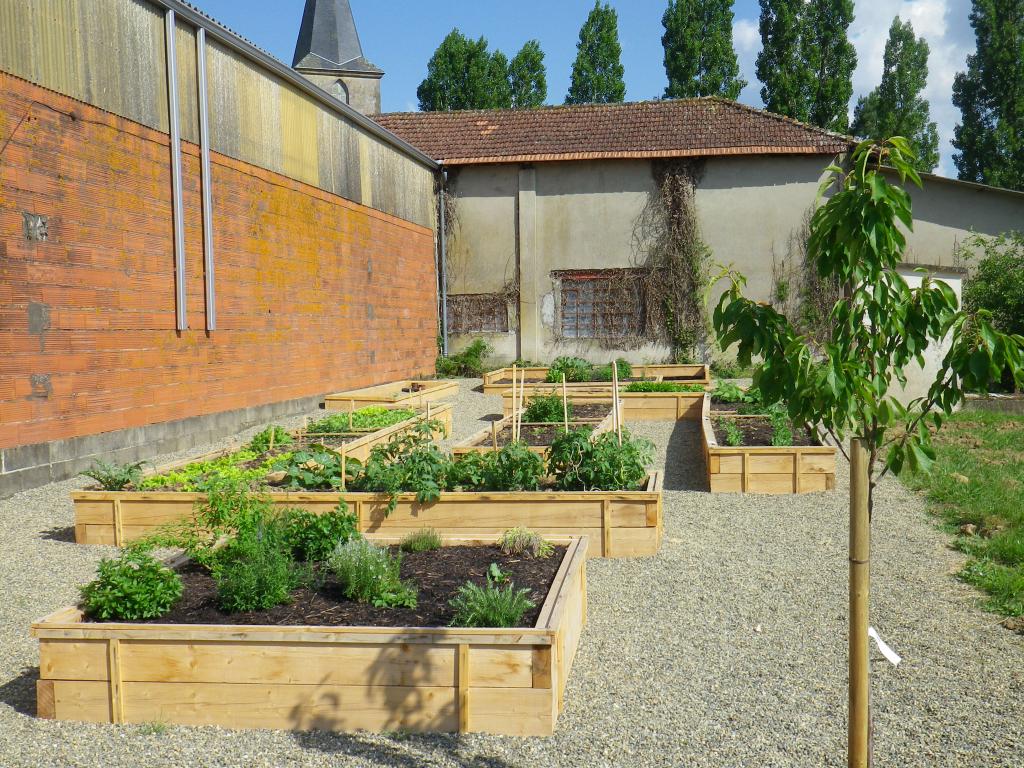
328,40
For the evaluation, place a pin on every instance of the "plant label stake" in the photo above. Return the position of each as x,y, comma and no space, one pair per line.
351,413
343,466
494,435
565,404
522,405
270,449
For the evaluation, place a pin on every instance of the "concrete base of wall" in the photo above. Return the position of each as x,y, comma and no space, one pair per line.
29,466
996,404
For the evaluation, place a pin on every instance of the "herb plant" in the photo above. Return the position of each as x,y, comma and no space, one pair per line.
370,574
574,368
522,541
261,442
546,409
372,418
604,372
497,576
662,386
313,537
581,464
490,606
256,571
782,429
115,477
732,433
133,587
513,468
423,540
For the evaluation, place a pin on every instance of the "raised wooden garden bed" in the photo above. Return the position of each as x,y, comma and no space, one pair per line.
765,469
537,436
496,382
636,406
500,681
621,523
404,393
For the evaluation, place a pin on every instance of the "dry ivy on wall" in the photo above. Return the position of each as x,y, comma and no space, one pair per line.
676,261
798,291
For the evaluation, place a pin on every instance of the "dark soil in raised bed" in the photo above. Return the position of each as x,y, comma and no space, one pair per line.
690,377
757,431
717,407
437,575
532,434
592,411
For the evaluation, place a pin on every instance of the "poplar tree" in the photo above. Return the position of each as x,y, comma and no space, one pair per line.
990,95
807,60
699,56
781,67
597,74
464,74
528,76
895,107
831,59
498,93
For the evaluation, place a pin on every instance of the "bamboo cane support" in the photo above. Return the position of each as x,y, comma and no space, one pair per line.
515,402
494,435
615,400
273,431
565,404
859,733
351,413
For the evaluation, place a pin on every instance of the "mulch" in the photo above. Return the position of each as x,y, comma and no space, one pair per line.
437,574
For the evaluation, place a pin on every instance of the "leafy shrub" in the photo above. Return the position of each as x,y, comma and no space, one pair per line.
574,368
370,574
490,606
733,434
468,363
312,537
261,442
256,571
581,464
726,392
663,386
423,540
546,409
407,463
314,469
604,372
514,468
726,369
133,587
371,418
522,541
468,472
115,477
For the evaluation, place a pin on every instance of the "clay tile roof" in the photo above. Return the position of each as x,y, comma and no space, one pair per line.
647,129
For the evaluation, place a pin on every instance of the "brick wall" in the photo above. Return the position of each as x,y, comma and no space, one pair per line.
314,293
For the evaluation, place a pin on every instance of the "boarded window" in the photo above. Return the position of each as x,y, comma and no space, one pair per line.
477,313
602,304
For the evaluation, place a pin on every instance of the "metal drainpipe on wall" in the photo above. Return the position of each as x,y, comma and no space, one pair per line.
207,181
174,119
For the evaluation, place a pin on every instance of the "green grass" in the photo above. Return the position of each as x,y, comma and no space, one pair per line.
976,489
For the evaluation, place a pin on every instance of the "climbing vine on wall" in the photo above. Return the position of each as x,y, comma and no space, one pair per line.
675,259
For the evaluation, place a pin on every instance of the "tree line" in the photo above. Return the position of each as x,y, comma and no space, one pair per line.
805,68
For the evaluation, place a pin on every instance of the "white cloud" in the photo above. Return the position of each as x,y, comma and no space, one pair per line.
943,23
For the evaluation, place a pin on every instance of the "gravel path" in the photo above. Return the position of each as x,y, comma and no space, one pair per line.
728,649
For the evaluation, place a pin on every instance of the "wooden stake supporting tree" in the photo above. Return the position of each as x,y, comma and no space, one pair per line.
846,383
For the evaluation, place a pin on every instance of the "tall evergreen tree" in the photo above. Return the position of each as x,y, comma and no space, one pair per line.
895,107
831,58
597,74
990,95
781,67
528,76
699,56
807,60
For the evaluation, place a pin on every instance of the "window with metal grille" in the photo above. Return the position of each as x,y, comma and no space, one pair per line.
477,313
606,303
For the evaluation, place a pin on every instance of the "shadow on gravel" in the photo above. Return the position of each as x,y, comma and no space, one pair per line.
20,693
684,459
63,533
492,417
400,750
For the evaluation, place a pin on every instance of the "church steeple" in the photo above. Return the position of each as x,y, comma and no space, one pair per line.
329,53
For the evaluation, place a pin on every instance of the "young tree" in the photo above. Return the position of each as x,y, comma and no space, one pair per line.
895,107
831,59
781,66
990,95
528,76
597,74
846,386
699,56
463,74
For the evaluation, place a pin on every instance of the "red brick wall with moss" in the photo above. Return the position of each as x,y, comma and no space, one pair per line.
314,293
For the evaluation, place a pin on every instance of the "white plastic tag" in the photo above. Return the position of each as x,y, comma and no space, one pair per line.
884,649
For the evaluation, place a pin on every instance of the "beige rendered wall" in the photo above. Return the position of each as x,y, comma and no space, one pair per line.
582,215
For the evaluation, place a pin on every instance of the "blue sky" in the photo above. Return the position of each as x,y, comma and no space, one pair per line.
400,35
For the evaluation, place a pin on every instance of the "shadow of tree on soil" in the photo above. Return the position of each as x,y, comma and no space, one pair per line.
684,465
19,693
400,751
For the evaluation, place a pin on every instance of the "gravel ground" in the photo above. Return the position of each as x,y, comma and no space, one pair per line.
728,649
